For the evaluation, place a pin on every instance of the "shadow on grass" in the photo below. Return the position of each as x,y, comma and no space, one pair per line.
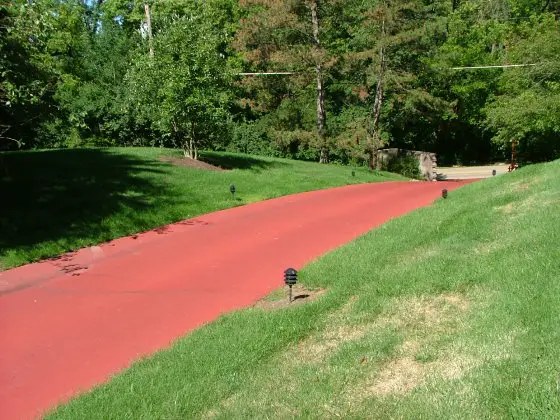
227,161
72,196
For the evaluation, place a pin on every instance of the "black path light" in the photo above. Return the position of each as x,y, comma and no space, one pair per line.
353,173
493,172
444,193
290,278
232,190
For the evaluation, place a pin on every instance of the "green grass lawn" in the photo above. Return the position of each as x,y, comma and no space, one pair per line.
449,312
61,200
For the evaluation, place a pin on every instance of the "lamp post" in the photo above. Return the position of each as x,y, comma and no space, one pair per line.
290,278
444,193
232,190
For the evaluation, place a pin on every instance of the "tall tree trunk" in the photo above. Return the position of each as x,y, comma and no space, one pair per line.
377,104
321,114
149,27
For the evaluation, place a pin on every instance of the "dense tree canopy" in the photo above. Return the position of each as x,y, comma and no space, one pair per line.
356,75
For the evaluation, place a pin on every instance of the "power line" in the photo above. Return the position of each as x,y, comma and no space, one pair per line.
492,67
289,73
285,73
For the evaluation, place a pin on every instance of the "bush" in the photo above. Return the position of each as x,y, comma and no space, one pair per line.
250,138
405,165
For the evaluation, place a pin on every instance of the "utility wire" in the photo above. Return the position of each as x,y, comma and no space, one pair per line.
492,67
282,73
504,66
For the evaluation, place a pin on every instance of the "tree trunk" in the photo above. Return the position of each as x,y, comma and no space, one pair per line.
321,114
149,26
377,104
190,149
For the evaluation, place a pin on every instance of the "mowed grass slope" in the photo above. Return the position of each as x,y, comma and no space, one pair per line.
61,200
449,312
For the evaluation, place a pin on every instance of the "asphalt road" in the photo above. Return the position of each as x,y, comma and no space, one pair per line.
472,172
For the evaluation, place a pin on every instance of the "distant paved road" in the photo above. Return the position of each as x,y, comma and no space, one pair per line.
472,172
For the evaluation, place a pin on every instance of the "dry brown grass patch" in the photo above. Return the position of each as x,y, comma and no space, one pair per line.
424,312
420,319
521,186
315,349
486,248
398,377
418,255
532,202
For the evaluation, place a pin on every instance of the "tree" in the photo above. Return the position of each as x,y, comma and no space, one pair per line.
283,35
26,81
183,91
526,107
477,34
93,100
389,38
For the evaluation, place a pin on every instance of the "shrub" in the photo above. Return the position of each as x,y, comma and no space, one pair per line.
405,165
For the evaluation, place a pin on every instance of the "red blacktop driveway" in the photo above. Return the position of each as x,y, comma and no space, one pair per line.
69,323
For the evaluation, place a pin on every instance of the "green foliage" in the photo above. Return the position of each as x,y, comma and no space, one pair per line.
77,73
526,107
183,91
25,74
93,101
250,138
404,165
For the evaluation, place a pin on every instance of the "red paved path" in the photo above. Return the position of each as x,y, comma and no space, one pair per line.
68,324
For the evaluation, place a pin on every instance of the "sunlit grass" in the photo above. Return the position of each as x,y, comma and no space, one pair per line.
61,200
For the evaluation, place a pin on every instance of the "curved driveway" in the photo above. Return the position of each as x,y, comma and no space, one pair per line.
69,323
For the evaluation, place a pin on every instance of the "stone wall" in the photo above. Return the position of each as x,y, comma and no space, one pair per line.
427,161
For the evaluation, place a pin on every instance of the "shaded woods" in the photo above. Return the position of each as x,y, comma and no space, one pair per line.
363,75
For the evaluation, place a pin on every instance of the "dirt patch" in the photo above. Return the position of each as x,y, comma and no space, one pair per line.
190,163
279,299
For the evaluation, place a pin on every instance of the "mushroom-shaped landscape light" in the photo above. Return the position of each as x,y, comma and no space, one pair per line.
290,278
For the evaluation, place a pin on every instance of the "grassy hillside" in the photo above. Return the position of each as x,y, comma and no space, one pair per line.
61,200
449,312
